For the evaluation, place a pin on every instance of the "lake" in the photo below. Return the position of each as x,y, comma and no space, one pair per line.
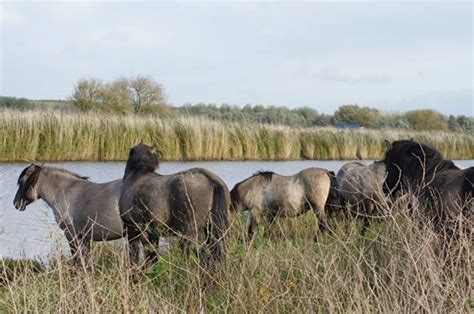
33,234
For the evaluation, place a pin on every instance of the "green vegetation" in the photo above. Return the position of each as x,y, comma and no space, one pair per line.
118,97
426,120
54,136
396,267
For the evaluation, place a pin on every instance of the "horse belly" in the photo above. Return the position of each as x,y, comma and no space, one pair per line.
292,202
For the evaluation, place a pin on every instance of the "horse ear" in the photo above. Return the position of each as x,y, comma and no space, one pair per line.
152,148
388,145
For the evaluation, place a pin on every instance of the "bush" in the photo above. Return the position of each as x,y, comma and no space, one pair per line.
353,114
426,119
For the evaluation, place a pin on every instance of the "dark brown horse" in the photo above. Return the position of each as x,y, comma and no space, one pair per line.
443,191
192,204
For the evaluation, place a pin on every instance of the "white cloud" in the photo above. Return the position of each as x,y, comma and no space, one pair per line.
341,76
9,15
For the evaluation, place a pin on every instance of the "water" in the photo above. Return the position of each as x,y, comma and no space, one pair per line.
33,234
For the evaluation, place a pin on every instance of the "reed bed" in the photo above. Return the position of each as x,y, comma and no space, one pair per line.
54,136
396,267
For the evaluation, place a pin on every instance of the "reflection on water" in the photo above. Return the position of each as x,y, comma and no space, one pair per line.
33,233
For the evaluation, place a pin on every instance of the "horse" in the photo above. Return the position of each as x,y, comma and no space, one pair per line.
443,191
268,195
360,187
84,210
192,204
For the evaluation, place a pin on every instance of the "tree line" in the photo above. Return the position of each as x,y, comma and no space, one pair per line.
144,95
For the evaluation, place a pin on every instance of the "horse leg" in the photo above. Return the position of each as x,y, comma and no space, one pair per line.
80,251
322,218
133,237
252,227
151,249
368,210
188,241
270,226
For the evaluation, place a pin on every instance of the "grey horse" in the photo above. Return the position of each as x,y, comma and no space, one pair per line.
360,186
192,204
268,195
84,210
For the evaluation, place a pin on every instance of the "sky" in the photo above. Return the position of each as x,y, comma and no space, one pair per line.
393,56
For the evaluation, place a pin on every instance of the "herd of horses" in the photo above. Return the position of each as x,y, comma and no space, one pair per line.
197,206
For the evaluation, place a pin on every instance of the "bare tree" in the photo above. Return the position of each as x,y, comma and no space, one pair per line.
147,93
87,94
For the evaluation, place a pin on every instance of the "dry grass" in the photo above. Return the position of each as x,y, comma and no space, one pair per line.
51,136
396,267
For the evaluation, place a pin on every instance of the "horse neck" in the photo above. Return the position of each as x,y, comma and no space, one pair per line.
54,187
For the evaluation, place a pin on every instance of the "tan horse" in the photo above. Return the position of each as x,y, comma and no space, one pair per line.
268,195
360,186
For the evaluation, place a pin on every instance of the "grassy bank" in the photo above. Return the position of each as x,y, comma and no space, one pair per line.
396,267
27,136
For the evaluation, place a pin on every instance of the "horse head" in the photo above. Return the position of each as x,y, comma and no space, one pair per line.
142,158
27,192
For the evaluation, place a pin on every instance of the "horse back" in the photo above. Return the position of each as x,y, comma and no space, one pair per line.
174,200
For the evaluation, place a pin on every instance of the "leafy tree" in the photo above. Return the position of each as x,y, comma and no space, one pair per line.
87,94
453,124
363,116
15,103
426,119
466,123
117,96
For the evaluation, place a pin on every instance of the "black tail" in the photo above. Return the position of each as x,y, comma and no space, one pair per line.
219,220
334,200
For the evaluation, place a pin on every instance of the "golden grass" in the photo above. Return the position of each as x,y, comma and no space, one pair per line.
396,267
52,136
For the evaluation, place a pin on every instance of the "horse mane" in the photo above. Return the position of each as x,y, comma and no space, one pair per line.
69,172
267,175
415,160
141,159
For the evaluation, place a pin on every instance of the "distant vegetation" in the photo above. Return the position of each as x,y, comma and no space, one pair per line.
145,96
98,136
101,120
115,99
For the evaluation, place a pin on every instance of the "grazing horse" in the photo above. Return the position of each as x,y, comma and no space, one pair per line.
85,211
360,187
192,204
443,191
268,195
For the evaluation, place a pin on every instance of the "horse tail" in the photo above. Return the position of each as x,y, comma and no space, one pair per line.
468,192
334,200
219,219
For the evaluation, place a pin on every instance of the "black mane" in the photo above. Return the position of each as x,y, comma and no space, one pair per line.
141,159
268,175
413,163
69,172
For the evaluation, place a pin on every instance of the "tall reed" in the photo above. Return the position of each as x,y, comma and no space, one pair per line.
53,136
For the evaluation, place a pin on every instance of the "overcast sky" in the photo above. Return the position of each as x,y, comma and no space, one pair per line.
392,56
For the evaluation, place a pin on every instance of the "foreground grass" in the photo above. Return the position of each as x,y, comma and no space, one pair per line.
396,267
29,136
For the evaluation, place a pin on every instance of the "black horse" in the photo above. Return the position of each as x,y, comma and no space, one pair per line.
443,192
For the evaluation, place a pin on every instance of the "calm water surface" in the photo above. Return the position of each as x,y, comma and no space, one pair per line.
34,233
